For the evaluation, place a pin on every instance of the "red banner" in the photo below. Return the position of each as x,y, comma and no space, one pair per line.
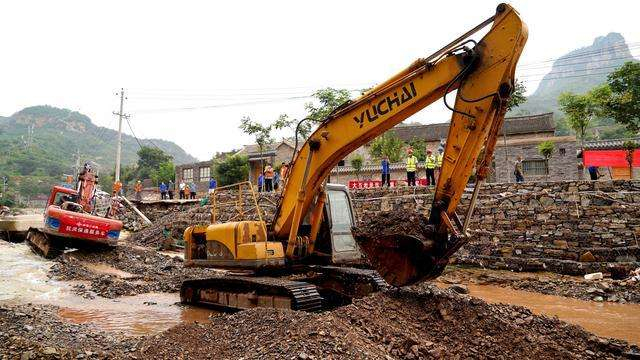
612,158
366,184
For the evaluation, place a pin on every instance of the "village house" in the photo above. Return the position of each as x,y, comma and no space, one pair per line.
610,157
201,172
519,135
274,154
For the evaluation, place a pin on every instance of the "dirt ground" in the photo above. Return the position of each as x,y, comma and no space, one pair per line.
36,332
620,291
125,270
420,322
417,323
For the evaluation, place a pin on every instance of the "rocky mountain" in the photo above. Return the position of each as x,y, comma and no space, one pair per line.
40,143
577,71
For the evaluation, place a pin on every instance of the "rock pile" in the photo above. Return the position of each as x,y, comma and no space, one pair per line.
180,216
36,332
151,271
418,323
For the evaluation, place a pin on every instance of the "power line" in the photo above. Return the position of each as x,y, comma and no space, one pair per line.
209,91
222,105
566,77
570,71
138,140
134,134
613,48
580,63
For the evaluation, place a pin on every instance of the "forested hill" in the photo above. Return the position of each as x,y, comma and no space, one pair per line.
577,71
42,142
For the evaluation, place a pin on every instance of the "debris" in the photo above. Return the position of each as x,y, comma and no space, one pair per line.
397,324
593,276
460,289
587,257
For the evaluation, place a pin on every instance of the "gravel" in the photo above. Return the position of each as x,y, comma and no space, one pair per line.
418,323
152,271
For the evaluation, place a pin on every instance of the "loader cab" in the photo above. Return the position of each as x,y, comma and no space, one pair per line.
336,242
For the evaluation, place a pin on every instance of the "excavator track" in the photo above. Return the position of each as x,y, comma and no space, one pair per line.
42,244
240,293
350,282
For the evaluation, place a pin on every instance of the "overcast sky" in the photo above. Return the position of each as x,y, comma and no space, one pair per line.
229,59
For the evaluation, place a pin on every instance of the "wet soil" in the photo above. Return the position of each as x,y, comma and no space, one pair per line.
416,323
123,271
390,223
604,290
36,332
620,321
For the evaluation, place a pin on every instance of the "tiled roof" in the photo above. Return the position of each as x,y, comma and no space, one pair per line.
531,124
607,144
254,149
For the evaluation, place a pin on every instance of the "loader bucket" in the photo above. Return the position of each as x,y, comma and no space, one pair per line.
402,259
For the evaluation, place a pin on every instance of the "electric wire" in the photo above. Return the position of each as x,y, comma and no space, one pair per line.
132,133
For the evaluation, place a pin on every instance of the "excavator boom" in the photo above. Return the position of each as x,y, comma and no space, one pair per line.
483,75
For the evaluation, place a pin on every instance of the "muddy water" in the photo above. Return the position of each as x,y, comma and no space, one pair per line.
134,315
620,321
24,278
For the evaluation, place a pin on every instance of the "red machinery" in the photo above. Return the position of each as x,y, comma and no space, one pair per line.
69,222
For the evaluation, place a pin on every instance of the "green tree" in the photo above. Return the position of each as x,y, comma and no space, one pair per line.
262,133
151,157
327,100
232,169
562,128
546,149
166,172
580,111
620,99
419,147
357,162
388,144
517,97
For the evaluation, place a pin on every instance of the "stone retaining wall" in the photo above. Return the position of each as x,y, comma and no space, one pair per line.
570,227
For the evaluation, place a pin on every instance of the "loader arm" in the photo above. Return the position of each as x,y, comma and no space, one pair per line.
483,74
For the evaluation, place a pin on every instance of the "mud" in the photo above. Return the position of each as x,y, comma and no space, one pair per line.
36,332
123,271
416,323
605,290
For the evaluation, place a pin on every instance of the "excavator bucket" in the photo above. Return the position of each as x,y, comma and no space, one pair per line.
402,259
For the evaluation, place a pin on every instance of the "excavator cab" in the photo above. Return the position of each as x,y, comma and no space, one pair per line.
336,244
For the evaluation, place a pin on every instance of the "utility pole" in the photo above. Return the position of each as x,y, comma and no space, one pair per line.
121,115
75,175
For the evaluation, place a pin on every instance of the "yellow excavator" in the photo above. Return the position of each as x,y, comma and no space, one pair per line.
307,257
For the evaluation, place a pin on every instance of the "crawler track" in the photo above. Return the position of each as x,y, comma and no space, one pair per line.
43,244
239,293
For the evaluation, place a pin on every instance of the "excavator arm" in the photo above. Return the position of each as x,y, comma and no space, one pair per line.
483,75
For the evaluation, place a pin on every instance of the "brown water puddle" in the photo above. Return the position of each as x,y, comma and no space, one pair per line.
145,314
620,321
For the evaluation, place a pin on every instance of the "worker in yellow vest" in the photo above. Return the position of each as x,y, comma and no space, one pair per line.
412,164
430,165
439,162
